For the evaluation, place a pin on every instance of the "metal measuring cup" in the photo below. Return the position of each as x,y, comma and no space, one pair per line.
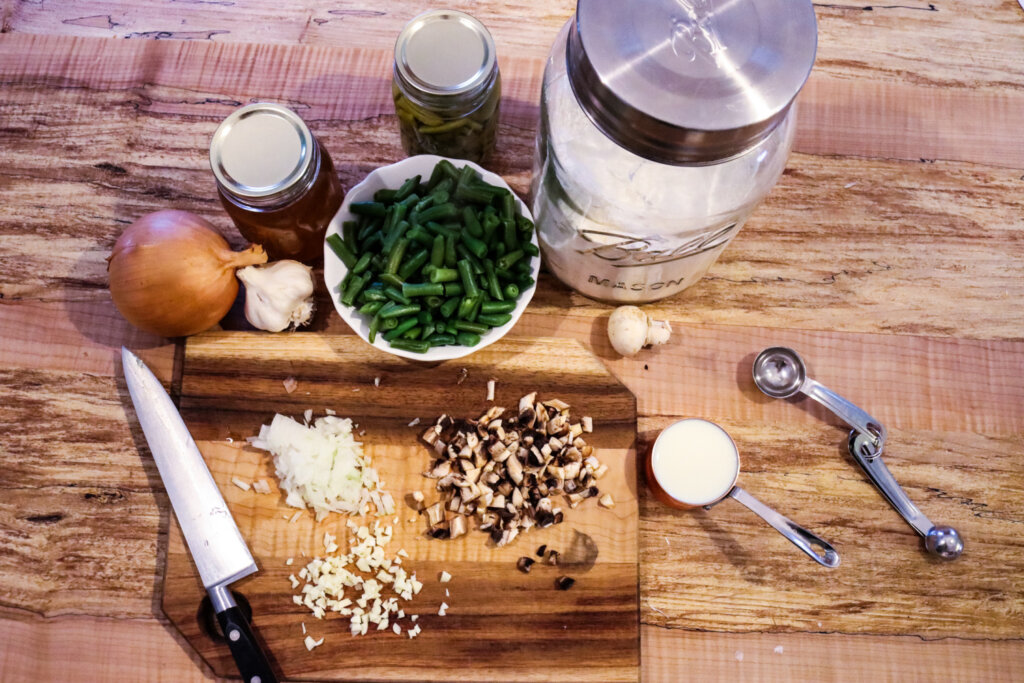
779,372
814,546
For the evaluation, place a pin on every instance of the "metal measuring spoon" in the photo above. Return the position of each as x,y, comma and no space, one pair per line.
942,541
779,372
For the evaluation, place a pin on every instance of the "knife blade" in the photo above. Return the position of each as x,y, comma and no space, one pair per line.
213,539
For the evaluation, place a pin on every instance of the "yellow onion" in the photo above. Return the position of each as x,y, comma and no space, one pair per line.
171,273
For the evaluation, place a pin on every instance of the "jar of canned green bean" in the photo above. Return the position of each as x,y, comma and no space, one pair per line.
446,86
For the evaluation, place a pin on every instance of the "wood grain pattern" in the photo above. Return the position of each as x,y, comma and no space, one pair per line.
946,235
94,132
134,649
915,41
502,625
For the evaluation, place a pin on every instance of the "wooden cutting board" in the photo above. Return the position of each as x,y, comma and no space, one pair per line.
501,624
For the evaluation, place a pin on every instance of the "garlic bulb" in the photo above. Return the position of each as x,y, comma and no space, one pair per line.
278,295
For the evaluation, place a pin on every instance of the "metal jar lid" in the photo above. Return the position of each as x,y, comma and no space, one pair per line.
263,151
444,55
689,81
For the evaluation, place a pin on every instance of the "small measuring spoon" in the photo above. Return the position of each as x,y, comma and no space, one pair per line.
695,463
943,542
779,372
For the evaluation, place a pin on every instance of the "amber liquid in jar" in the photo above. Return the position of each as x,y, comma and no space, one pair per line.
296,229
275,180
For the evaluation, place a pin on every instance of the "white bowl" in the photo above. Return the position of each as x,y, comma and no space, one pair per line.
393,176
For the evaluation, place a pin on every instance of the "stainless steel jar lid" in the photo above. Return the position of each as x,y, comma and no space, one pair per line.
444,54
262,151
689,81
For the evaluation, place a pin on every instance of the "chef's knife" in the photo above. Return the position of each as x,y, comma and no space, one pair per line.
217,547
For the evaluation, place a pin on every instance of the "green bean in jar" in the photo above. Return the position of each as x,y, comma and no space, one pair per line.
446,86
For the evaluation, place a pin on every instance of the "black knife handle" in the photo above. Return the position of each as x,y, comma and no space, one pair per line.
252,662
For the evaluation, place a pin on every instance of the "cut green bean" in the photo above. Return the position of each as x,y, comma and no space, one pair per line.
407,188
509,259
463,252
449,306
341,250
374,328
437,252
491,307
493,287
478,248
530,248
367,208
466,326
417,346
453,289
441,275
493,319
433,302
511,291
422,289
395,295
388,323
511,240
421,235
466,306
363,263
396,256
371,307
372,293
353,289
450,256
414,333
446,210
403,327
472,223
390,279
467,339
384,195
468,281
400,311
508,207
441,339
412,265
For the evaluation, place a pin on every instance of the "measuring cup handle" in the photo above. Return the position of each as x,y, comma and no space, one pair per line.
797,535
846,411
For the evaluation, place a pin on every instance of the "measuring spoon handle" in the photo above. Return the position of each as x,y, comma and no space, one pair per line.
797,535
846,411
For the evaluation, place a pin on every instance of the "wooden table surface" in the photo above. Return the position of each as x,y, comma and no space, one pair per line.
891,254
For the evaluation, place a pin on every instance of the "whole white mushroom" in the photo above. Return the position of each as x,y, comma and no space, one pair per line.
630,329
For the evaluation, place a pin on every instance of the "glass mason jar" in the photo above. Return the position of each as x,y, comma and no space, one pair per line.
663,125
275,180
446,86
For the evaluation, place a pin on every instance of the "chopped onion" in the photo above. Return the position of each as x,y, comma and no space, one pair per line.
320,465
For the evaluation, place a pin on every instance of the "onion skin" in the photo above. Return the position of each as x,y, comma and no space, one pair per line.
172,274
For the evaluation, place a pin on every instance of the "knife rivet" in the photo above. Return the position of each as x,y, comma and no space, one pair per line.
234,635
255,679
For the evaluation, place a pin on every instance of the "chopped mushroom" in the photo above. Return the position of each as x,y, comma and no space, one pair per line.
564,583
524,564
606,501
507,470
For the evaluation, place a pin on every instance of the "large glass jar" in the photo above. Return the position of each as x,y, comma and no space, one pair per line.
663,125
275,180
446,86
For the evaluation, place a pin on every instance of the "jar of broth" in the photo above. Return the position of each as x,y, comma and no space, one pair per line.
446,86
663,124
275,180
